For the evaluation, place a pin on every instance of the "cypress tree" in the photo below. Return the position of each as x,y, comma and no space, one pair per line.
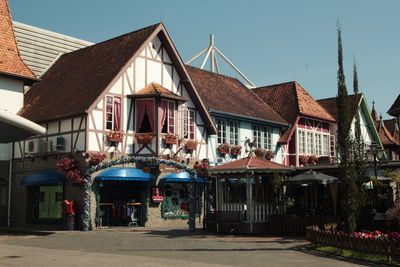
347,172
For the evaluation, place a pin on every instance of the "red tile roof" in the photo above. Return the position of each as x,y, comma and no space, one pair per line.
227,94
155,89
330,104
291,100
78,78
249,163
386,137
10,59
395,108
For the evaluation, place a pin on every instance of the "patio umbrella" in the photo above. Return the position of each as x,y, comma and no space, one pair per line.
312,177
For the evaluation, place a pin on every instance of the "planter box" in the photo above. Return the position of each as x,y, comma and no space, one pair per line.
115,139
236,153
191,146
144,138
223,151
170,141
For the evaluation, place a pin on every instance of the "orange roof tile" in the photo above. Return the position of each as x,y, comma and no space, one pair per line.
249,163
155,89
10,59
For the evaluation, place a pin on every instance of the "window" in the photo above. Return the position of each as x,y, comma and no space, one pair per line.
267,138
233,132
262,136
188,124
311,142
302,142
113,113
318,144
168,117
221,126
145,116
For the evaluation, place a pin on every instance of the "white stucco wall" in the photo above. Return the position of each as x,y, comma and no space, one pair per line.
11,94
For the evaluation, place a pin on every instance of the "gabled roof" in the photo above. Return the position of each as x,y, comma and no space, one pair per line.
11,63
384,134
250,162
291,100
78,79
156,90
228,95
395,108
330,104
393,127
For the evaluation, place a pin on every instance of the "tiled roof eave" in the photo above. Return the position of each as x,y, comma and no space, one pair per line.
316,117
179,98
20,77
248,118
249,170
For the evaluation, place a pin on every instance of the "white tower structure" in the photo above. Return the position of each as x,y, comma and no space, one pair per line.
211,53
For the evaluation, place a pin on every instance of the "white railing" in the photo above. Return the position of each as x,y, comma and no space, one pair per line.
260,211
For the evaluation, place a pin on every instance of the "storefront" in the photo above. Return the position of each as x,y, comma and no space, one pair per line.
45,194
123,196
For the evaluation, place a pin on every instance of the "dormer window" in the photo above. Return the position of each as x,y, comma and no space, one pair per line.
113,113
145,116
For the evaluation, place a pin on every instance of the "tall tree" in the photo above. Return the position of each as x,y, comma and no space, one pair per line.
348,174
359,144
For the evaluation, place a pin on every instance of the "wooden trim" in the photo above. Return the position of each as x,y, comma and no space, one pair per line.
155,60
128,82
101,146
150,48
77,135
146,82
72,135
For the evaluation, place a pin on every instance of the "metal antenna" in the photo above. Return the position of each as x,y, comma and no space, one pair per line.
211,52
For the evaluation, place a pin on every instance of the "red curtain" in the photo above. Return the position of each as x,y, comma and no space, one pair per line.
142,107
117,113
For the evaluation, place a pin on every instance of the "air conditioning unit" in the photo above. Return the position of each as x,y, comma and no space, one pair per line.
33,146
60,146
46,146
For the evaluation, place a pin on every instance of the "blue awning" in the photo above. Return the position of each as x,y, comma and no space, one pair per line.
179,177
44,177
124,174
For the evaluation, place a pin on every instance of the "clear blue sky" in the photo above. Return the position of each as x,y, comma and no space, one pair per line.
270,41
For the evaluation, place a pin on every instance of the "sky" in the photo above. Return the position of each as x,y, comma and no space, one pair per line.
269,41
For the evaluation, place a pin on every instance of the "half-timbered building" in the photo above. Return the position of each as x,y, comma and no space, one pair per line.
313,130
243,120
130,95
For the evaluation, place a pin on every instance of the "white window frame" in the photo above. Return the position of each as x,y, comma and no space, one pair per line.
222,131
314,143
262,135
167,118
233,132
189,119
112,112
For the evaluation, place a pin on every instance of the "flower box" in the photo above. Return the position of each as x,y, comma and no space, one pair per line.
313,159
223,149
260,152
115,137
269,155
303,159
191,145
170,139
236,150
144,138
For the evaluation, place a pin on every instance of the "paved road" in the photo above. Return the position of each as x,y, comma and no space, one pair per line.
139,247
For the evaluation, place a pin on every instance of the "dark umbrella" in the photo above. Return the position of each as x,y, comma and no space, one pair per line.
312,177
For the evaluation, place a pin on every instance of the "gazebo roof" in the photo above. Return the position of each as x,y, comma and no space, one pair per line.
312,177
248,163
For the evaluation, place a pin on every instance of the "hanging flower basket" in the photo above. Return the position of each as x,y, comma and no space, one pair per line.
260,152
170,139
191,145
144,138
269,154
223,149
115,136
236,150
303,159
313,159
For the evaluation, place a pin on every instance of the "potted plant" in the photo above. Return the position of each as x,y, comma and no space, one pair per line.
236,150
170,139
223,149
269,154
313,159
303,159
260,152
115,136
144,138
191,145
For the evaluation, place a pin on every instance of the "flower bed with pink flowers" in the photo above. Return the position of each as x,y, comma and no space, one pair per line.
371,242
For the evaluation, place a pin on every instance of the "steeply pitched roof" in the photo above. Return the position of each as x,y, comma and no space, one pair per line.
395,108
330,104
249,163
229,95
393,127
384,134
76,79
291,100
10,59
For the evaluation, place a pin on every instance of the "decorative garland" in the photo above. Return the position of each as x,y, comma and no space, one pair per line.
147,161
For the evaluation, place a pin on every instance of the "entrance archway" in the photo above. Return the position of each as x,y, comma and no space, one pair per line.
145,161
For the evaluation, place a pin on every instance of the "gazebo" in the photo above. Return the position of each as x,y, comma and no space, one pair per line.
243,195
